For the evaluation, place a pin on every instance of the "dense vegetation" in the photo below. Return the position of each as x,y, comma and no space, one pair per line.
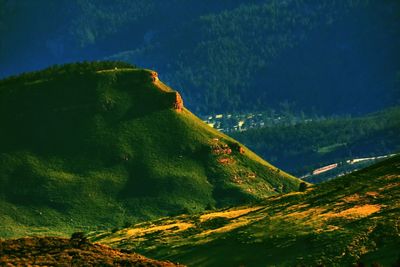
85,147
303,147
333,57
349,221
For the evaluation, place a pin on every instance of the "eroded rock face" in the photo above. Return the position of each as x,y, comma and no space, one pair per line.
221,149
178,103
154,76
174,97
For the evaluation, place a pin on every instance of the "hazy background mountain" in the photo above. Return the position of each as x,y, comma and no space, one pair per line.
329,57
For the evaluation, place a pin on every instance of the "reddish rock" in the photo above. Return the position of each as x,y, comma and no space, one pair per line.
225,160
237,147
221,151
178,103
154,76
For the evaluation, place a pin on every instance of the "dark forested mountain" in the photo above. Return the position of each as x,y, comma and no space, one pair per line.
331,57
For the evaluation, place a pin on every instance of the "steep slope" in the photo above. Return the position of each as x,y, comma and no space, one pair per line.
68,252
103,144
352,219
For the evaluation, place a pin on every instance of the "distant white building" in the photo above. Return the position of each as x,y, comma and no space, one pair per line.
325,169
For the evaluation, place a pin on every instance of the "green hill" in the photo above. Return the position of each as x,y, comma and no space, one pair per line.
354,219
102,144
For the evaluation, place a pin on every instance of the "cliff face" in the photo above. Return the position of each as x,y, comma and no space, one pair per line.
178,103
173,96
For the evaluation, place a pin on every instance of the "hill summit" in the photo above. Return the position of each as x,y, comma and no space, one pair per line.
102,144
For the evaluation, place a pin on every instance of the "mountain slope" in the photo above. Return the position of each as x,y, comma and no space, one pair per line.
306,146
348,220
103,144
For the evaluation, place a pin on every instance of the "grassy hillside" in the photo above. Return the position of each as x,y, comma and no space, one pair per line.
306,146
352,219
95,145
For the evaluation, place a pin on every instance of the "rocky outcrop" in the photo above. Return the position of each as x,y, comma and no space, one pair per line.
237,147
154,76
226,160
221,149
178,103
172,96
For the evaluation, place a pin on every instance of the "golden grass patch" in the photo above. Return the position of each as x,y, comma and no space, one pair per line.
328,228
174,227
298,207
389,186
306,214
372,194
355,212
226,228
390,177
229,214
352,198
